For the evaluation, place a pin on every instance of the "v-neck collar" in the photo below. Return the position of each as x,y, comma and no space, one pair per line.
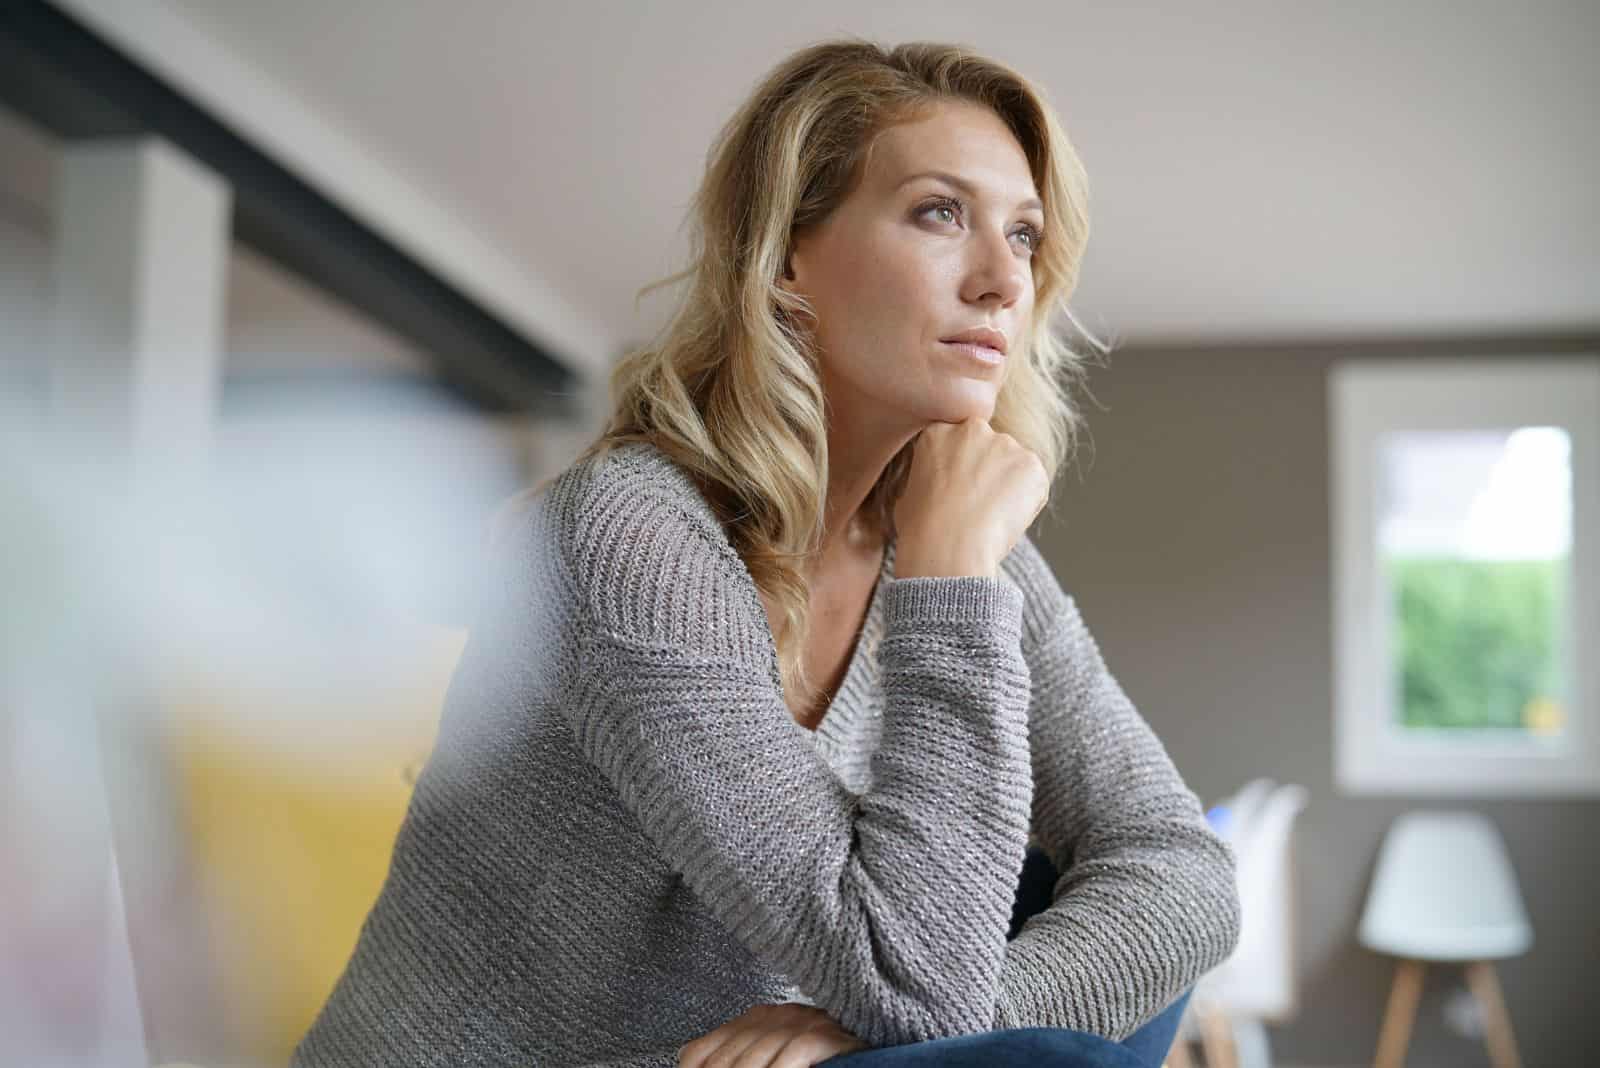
839,719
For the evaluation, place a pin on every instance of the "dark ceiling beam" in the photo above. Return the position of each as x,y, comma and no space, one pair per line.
66,79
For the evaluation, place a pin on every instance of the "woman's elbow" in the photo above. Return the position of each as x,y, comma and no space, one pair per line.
1217,902
932,1000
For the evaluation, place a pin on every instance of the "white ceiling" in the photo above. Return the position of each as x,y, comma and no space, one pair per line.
1260,170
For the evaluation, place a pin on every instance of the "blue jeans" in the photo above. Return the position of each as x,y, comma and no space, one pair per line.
1038,1047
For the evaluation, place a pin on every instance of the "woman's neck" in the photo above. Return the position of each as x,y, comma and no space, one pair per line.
861,445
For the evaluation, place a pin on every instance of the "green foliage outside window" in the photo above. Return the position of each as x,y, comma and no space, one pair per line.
1478,643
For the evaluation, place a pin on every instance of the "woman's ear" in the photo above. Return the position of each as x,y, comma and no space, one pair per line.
794,266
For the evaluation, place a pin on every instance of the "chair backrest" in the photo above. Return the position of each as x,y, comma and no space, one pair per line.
1244,806
1444,889
1257,980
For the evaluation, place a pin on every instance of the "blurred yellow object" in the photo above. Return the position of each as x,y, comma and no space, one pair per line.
289,836
1543,715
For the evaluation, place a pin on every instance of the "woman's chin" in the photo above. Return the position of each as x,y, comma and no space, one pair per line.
976,402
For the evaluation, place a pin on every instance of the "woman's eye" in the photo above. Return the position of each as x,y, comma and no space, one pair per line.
948,211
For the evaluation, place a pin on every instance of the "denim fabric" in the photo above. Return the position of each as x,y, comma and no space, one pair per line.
1037,1047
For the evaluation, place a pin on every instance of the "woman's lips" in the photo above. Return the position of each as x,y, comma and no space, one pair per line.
982,353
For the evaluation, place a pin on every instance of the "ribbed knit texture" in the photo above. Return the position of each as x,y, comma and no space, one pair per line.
623,839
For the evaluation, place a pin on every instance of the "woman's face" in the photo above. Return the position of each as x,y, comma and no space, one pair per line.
934,241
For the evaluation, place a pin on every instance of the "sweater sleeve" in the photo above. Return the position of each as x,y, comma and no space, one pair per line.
1146,902
889,909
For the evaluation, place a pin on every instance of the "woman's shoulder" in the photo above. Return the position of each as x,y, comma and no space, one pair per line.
642,549
629,491
631,471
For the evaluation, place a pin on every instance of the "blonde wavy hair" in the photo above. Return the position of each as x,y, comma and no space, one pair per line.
730,389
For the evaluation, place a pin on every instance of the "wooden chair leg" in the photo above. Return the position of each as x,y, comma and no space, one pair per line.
1216,1041
1497,1032
1401,1013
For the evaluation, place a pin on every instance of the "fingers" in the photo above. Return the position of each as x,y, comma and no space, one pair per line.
725,1047
771,1036
700,1052
743,1050
764,1051
806,1050
786,1049
740,1047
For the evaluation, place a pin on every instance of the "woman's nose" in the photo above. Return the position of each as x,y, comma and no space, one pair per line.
996,272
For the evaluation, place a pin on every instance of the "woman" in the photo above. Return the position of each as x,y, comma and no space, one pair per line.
744,754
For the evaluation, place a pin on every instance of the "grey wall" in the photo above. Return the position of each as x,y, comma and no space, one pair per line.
1195,538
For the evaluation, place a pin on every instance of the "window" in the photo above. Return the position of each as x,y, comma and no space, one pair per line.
1466,576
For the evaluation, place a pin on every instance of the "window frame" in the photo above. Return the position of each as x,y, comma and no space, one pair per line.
1367,399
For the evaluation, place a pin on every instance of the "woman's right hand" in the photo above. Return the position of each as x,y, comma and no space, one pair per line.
790,1035
970,496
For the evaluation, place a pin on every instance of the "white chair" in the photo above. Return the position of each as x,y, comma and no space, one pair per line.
1444,891
1256,984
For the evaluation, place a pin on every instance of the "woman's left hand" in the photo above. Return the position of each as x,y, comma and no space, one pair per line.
771,1036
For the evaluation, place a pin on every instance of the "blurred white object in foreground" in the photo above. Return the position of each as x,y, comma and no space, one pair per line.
1256,984
283,587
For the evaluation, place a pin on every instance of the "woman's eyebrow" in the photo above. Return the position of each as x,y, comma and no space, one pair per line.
965,186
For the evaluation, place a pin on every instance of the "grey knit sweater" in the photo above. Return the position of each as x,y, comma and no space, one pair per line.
623,839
